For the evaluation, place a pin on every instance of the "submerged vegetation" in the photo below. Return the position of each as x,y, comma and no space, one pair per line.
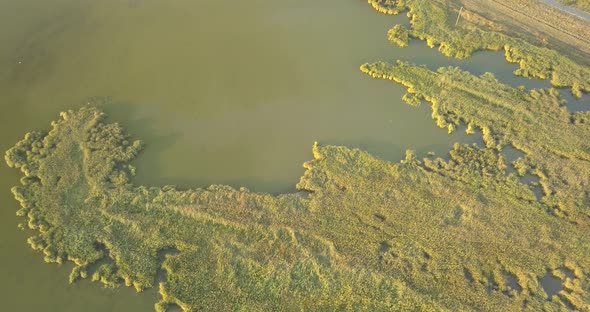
361,233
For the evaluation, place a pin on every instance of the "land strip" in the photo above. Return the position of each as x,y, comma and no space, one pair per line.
567,8
547,25
583,5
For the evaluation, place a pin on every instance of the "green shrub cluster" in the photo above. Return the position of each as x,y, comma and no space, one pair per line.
391,7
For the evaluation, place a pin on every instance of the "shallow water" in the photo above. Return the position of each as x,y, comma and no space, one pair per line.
233,95
576,105
551,284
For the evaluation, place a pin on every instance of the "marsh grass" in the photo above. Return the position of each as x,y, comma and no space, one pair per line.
361,233
435,22
535,122
239,250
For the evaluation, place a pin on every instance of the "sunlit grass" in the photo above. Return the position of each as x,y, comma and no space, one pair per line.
361,233
436,23
367,234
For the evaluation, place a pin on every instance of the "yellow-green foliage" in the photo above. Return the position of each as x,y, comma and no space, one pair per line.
434,22
362,233
536,122
398,35
391,7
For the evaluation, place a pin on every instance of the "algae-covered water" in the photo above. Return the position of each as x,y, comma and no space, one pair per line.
221,92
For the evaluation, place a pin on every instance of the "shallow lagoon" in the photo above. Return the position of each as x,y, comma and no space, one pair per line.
220,95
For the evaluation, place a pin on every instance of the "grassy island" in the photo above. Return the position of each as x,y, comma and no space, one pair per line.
361,234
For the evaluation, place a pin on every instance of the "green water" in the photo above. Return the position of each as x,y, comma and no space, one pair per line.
221,92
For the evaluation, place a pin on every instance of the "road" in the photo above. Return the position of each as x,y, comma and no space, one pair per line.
568,9
569,28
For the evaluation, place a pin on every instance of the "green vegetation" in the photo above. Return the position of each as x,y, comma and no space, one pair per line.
361,233
391,7
535,122
398,35
435,22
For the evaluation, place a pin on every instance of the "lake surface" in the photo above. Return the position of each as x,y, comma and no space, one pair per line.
221,94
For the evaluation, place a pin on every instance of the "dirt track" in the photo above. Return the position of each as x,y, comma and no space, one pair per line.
566,8
539,23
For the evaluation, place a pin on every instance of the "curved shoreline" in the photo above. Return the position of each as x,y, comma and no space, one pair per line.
457,234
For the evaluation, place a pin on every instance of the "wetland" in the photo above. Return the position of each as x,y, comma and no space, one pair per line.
238,97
